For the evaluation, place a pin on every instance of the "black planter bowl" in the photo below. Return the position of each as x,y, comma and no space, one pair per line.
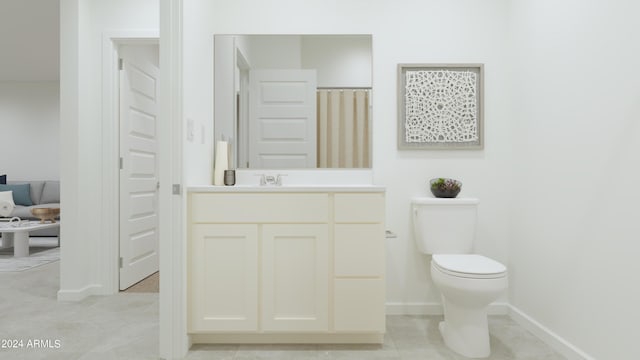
445,188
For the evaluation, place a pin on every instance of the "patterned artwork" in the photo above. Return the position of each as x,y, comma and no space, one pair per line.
441,107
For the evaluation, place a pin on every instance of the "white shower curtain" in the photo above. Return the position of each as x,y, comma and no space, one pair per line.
343,128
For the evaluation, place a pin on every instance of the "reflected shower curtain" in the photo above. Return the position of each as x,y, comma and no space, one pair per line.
343,128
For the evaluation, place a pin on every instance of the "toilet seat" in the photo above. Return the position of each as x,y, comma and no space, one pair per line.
469,266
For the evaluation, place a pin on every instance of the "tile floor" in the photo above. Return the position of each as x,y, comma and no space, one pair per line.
407,338
125,326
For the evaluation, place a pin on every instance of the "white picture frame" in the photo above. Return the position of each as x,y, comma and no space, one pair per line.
440,106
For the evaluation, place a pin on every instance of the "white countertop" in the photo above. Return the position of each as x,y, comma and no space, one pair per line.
298,181
286,188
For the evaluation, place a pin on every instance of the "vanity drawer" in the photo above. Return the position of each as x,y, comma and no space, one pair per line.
259,208
359,208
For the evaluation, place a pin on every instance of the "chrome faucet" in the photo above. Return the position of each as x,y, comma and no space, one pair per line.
272,180
263,179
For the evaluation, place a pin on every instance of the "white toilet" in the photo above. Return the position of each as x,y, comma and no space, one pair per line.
445,228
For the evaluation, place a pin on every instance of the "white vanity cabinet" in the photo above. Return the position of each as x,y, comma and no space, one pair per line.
285,266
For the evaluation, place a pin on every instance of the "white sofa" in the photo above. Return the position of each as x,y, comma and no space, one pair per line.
44,194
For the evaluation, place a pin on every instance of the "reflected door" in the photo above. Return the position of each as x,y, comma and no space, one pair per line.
282,119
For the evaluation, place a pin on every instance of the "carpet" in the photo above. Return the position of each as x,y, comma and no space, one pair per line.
41,251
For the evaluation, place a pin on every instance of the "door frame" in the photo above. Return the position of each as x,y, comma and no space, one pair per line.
242,127
110,234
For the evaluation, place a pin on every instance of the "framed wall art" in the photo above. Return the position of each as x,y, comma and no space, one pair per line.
440,106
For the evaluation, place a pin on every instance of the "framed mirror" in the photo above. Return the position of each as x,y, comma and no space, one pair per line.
294,101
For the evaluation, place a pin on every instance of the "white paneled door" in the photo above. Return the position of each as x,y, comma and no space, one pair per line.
282,119
138,163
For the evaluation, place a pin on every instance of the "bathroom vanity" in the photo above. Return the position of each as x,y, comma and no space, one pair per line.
286,264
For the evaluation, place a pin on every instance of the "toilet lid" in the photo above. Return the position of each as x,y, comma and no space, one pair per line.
469,265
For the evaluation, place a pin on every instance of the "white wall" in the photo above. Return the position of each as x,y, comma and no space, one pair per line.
30,40
198,89
574,247
84,25
30,129
340,61
463,31
275,52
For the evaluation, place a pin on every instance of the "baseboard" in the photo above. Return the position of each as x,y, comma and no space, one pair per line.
413,309
79,294
433,308
552,339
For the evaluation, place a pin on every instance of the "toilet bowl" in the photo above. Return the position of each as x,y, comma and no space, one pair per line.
468,283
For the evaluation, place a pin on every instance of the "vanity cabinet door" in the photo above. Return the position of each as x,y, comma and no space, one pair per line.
359,305
223,281
295,277
359,250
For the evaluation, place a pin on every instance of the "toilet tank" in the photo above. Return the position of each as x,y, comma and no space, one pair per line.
444,226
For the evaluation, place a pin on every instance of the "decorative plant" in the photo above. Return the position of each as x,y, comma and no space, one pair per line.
445,188
446,184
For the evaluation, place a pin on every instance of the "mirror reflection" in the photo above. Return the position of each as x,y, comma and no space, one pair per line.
294,101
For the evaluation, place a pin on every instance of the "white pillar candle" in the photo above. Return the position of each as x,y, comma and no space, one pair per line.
221,162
